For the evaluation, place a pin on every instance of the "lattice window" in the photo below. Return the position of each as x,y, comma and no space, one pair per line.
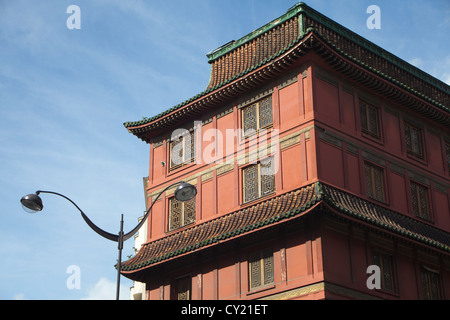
176,214
249,116
261,269
255,270
369,119
265,113
251,183
414,141
257,116
259,179
183,288
374,177
431,285
182,151
189,211
181,213
268,274
176,158
420,203
267,171
386,264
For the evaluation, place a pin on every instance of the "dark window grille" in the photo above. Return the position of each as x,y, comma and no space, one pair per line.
420,202
261,271
181,213
374,176
386,265
414,141
369,120
430,284
259,179
257,116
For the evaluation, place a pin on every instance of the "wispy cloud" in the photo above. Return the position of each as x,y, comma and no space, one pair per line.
417,62
19,296
446,78
442,70
105,289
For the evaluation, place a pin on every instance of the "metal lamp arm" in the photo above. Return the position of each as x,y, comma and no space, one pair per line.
103,233
121,237
136,229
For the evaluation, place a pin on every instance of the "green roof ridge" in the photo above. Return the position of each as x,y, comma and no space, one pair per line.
230,46
302,8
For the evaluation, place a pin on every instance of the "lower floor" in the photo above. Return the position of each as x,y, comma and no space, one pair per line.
319,255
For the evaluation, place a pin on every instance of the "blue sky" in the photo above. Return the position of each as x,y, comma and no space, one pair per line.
65,94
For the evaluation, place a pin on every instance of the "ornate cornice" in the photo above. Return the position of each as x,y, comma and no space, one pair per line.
271,50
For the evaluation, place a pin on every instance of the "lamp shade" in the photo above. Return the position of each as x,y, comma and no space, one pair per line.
32,203
185,192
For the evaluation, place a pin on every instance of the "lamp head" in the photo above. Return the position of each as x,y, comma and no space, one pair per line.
32,203
185,192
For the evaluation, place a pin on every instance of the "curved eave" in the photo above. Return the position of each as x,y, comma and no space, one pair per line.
385,228
382,83
291,206
241,83
353,208
137,273
275,66
238,224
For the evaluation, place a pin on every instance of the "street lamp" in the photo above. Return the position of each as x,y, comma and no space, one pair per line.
32,203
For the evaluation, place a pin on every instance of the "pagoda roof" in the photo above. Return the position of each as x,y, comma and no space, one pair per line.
242,65
281,209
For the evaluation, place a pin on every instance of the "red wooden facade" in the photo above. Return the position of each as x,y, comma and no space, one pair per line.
347,167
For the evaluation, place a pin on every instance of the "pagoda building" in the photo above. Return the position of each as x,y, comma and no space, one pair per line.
322,168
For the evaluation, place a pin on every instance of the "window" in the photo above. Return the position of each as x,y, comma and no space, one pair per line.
430,284
369,120
385,263
374,182
183,288
420,203
414,142
181,213
260,269
257,116
182,150
259,179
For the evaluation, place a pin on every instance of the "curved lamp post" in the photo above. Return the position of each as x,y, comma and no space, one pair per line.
32,203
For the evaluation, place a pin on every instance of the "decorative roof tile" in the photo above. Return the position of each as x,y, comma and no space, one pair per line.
266,45
363,210
278,210
224,227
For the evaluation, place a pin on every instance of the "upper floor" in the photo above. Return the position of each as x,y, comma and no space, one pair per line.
309,124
